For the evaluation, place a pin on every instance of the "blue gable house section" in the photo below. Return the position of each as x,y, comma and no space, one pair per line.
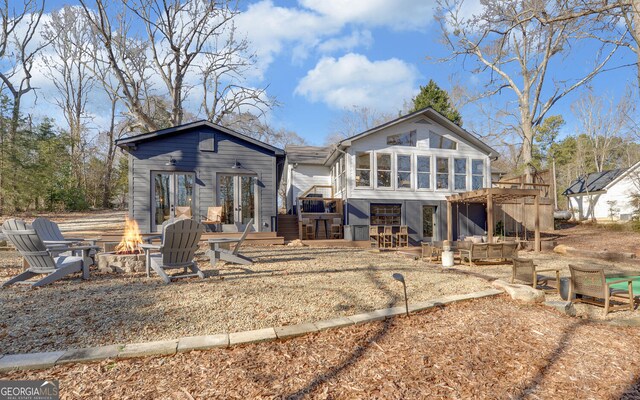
191,167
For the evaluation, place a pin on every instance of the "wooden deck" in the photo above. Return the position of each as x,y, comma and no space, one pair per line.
253,238
362,244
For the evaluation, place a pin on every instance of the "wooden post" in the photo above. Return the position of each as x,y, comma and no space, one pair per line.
537,245
449,222
490,218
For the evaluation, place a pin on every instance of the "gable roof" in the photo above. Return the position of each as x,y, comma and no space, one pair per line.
434,115
150,136
595,182
313,155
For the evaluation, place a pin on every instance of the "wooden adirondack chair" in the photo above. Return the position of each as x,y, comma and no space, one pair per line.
51,235
40,258
232,256
178,248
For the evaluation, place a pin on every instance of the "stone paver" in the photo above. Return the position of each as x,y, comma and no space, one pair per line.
333,323
90,354
29,361
159,348
258,335
366,317
289,331
203,342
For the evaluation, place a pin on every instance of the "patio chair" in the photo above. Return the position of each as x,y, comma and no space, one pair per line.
374,237
509,250
525,271
178,247
40,259
336,228
213,217
183,212
402,237
431,251
216,252
591,285
476,251
386,237
51,235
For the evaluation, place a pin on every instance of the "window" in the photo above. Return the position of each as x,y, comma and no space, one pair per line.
460,174
363,169
342,176
477,174
442,173
338,176
404,171
440,142
424,172
402,139
383,166
385,214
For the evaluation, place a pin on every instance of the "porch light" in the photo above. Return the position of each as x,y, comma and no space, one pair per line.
237,165
400,278
172,161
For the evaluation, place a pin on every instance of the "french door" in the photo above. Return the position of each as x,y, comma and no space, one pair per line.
237,197
428,223
173,196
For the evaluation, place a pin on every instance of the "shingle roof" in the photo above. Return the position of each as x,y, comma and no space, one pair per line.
307,154
595,182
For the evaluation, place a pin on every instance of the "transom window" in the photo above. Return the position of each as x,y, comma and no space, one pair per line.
385,214
477,174
442,173
404,171
383,165
424,172
460,174
440,142
402,139
363,169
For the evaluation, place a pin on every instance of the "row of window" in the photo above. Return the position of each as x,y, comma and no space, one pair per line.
338,174
410,139
403,179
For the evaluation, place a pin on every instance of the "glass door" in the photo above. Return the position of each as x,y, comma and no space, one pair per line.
172,197
428,223
236,196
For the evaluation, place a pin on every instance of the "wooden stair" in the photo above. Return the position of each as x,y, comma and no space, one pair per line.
288,227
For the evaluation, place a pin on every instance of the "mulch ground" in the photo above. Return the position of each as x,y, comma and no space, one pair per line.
489,348
598,238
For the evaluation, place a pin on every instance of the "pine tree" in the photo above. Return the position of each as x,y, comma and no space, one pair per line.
438,99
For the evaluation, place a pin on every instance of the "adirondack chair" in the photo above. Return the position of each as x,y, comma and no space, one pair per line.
232,256
40,258
51,235
178,248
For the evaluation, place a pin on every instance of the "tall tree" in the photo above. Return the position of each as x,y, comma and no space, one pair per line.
515,50
354,121
433,96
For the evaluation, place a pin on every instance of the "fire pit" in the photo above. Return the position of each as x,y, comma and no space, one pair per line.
127,255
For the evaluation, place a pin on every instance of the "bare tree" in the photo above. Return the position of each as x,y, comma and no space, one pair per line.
18,47
69,71
507,41
179,39
354,121
604,124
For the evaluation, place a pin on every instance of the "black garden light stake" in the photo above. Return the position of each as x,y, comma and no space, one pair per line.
400,278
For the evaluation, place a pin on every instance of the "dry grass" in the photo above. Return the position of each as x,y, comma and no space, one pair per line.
490,348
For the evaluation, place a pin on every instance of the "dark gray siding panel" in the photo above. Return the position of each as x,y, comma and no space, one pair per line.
184,148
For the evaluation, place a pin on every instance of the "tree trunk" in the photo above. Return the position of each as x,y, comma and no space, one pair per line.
111,151
527,146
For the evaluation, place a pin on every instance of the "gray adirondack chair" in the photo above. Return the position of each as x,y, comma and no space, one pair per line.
40,258
179,244
216,252
52,237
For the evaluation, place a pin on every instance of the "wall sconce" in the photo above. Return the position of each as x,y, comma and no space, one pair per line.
172,162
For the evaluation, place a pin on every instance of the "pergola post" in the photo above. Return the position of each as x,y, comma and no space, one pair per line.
449,221
537,244
490,218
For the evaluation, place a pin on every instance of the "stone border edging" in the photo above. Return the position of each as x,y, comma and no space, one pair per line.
43,360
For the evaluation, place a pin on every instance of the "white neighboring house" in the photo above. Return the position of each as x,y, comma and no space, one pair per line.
398,173
604,195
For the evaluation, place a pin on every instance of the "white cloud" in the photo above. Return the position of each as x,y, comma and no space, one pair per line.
347,43
355,80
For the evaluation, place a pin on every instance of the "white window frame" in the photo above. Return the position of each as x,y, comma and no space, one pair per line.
466,174
430,173
391,170
484,172
371,171
435,182
397,171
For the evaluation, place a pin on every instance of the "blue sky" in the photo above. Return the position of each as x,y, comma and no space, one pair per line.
320,57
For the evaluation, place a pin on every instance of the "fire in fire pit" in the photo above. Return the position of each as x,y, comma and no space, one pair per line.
131,240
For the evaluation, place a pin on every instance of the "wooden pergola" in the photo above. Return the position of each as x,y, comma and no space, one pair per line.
489,196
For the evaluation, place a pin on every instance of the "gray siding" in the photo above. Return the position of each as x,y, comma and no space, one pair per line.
184,147
358,215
